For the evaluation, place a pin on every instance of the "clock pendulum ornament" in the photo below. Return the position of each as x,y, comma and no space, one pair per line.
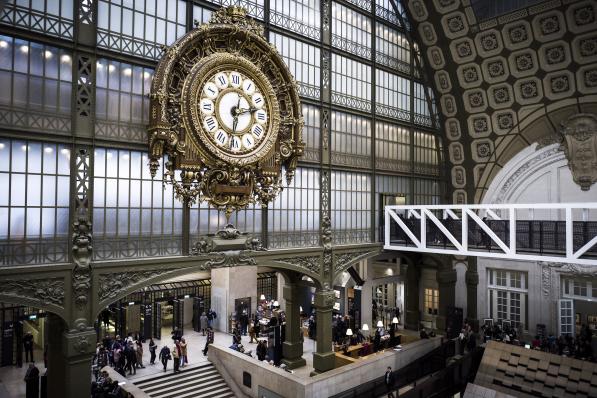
225,115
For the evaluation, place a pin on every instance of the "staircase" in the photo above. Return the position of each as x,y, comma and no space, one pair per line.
202,381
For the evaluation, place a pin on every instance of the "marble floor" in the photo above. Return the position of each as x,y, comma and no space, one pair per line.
13,386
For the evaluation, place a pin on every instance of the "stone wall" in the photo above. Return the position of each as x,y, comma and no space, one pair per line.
232,364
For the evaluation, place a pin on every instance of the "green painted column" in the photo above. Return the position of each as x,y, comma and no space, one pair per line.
412,315
446,280
472,281
324,358
292,349
69,359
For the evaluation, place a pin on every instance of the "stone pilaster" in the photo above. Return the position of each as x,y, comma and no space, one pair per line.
446,279
412,315
472,281
324,358
292,349
69,359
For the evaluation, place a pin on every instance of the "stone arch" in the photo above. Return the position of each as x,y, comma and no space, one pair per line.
26,301
107,288
48,294
540,126
536,175
343,261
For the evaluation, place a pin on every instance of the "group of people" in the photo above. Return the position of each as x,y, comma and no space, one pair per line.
578,347
126,355
105,387
467,338
122,354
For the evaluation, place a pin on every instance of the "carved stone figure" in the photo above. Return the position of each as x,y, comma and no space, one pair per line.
580,146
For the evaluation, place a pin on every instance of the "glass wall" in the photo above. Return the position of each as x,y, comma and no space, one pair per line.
122,104
36,86
133,215
34,202
382,136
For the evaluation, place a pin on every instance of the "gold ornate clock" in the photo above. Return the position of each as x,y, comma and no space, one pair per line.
225,112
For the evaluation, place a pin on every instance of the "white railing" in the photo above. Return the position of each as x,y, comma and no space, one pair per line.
531,232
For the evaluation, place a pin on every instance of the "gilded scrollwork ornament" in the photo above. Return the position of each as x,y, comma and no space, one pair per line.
225,114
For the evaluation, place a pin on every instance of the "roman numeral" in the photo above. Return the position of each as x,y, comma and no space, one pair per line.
260,116
258,100
211,90
222,80
207,106
236,79
234,144
221,137
211,123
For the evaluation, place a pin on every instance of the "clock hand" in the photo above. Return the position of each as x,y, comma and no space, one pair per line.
240,111
234,124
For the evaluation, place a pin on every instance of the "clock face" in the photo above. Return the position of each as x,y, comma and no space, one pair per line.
233,111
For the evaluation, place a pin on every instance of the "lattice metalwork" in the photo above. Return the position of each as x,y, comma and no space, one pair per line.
351,140
364,4
497,231
36,86
54,18
82,181
84,94
34,202
86,11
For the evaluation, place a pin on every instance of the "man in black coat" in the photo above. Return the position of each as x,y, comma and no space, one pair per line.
32,381
28,346
390,381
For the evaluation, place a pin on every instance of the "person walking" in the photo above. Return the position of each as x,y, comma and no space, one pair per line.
183,353
176,356
209,340
390,381
152,348
165,356
32,381
131,359
203,323
252,333
139,353
28,346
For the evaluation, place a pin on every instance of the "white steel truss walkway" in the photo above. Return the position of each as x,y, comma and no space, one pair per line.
530,232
